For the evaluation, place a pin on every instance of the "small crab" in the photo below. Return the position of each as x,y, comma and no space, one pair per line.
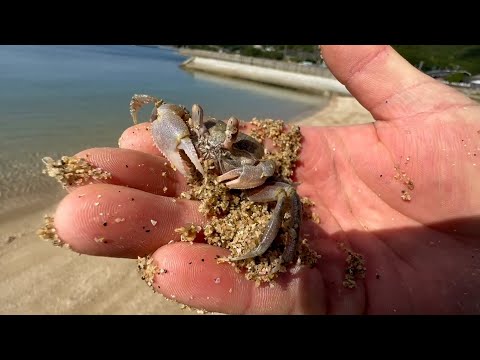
187,140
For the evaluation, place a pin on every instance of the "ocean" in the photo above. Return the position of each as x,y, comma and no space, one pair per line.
59,100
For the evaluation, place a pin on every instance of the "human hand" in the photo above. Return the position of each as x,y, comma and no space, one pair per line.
422,256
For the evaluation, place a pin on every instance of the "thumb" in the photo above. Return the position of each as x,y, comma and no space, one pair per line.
386,84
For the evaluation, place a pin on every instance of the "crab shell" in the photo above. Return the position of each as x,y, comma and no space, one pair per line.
237,156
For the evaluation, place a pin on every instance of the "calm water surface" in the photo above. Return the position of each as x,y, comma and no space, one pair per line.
57,100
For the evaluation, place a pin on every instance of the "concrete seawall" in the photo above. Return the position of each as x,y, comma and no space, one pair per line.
299,81
321,71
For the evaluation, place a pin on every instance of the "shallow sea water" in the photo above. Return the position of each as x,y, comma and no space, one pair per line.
59,100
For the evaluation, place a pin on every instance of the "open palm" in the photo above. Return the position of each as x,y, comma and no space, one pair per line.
404,192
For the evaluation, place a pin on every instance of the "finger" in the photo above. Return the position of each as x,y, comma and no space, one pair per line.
139,137
111,220
191,275
386,84
136,169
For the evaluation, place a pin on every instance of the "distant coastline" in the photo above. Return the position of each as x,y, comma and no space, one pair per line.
310,79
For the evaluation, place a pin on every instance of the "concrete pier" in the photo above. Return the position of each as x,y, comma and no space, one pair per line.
303,82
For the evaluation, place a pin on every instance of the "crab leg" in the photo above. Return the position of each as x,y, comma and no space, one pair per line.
293,238
268,194
139,100
281,193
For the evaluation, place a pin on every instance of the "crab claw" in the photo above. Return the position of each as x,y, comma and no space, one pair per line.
248,176
171,135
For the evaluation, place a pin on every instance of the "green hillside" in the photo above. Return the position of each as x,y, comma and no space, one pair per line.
429,57
465,57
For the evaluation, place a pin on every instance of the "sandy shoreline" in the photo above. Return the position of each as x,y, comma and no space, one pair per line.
38,278
341,110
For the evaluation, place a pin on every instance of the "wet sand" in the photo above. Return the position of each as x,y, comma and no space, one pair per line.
37,278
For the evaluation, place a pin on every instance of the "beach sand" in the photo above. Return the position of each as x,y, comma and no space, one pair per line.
37,278
341,110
